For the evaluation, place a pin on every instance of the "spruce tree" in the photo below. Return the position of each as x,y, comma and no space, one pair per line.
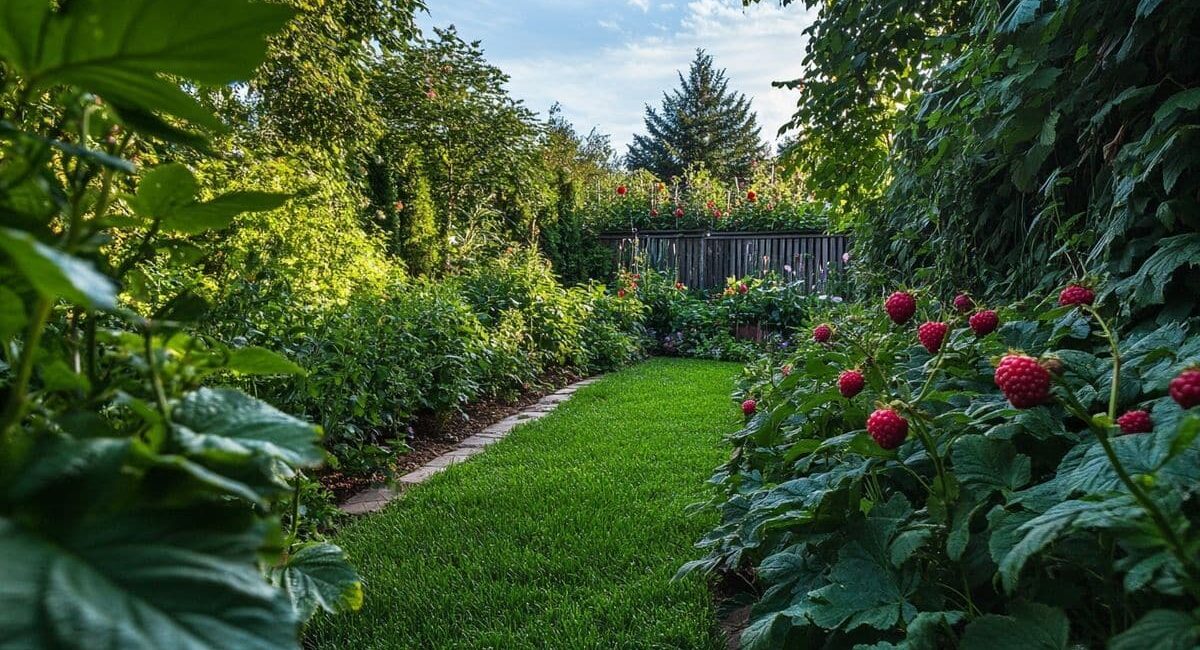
702,121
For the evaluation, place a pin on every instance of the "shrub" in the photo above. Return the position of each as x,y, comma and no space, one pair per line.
966,534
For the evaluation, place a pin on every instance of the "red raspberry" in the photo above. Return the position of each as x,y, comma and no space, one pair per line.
822,333
749,407
932,335
1185,389
622,190
1135,422
887,428
851,383
1076,294
620,293
1023,380
653,212
900,307
984,322
963,303
751,196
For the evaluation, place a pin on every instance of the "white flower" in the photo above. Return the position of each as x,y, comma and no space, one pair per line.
822,297
837,299
787,268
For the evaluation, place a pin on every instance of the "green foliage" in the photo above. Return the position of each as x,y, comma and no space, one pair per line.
139,505
700,123
1029,142
965,535
688,323
705,201
478,145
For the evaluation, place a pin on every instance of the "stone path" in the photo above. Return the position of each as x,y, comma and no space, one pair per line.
373,499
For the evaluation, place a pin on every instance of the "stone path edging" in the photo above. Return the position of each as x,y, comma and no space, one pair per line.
374,499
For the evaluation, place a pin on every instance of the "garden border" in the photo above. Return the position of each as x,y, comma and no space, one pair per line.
376,498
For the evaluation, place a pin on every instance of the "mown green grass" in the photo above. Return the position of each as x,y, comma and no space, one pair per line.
564,535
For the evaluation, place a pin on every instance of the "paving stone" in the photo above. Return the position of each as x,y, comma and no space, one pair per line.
419,475
456,456
362,507
479,440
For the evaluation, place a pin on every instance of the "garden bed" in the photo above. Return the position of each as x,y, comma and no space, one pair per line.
435,435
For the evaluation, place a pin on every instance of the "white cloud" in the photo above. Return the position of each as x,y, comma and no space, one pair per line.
644,5
609,88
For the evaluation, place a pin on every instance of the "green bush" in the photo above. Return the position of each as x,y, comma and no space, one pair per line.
966,533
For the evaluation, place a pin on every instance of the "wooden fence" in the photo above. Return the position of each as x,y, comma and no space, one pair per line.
702,259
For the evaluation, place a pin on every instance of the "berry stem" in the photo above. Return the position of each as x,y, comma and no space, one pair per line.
1115,388
1148,504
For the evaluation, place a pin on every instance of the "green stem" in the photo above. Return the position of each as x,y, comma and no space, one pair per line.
14,409
295,511
1159,519
160,393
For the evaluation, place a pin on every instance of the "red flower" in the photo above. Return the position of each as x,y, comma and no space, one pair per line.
622,190
620,293
678,212
751,196
743,289
653,212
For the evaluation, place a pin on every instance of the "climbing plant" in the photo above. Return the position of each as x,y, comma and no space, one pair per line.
1005,146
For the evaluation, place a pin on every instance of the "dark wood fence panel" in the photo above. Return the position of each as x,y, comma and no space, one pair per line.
704,260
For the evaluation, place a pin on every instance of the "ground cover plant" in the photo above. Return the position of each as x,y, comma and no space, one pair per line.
922,475
566,533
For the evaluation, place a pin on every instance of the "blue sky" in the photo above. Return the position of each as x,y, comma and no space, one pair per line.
603,60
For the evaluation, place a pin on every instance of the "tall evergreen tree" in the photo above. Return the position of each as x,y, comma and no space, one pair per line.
702,121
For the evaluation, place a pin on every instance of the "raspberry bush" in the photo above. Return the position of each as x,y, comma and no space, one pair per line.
931,511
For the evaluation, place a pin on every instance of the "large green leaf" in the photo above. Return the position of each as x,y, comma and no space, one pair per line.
124,51
56,274
1029,626
318,576
1161,629
185,580
226,424
168,193
219,213
261,361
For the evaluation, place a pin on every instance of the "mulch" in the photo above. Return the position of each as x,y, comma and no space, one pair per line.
436,435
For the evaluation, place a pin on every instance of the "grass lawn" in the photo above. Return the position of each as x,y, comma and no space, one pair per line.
564,535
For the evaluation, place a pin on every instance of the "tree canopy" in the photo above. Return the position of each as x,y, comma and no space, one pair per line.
700,122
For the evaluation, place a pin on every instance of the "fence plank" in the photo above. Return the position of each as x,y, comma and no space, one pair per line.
703,260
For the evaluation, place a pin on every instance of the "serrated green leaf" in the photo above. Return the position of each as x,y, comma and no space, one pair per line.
1161,629
228,424
318,576
164,190
1029,626
185,579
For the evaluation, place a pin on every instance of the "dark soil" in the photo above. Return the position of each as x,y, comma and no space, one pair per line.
733,593
434,435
